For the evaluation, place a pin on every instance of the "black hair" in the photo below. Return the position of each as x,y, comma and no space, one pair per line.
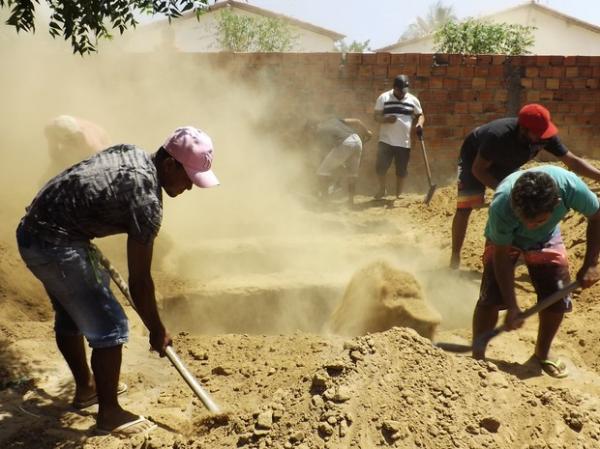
161,155
533,194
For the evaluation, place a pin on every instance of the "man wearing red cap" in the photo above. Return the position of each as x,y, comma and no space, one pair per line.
116,191
494,150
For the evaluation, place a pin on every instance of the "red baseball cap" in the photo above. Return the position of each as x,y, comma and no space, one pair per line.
536,118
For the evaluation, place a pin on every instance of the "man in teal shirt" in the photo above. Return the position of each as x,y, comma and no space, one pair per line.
524,220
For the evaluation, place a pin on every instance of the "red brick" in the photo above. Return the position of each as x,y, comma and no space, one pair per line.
532,72
592,83
353,58
461,108
526,83
426,59
365,72
501,95
579,83
438,70
583,60
572,72
436,83
586,72
467,72
557,60
478,82
398,58
484,59
533,96
470,60
570,60
424,70
547,95
542,61
383,58
380,71
450,83
453,71
482,71
496,71
498,59
456,59
412,58
369,58
552,83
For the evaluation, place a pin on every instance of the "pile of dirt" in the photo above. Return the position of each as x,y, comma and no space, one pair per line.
302,390
380,297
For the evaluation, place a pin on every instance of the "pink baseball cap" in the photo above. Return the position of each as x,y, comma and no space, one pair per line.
193,149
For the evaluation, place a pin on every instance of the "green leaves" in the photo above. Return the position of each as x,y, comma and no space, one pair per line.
84,22
477,37
242,33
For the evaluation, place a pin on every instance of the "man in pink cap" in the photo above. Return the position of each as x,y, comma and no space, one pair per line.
494,150
116,191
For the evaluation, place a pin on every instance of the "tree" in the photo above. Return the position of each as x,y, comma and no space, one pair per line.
244,33
478,37
354,47
437,16
84,22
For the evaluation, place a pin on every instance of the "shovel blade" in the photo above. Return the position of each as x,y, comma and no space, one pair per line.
453,347
430,194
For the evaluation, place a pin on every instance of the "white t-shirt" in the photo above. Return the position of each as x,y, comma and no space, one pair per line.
397,134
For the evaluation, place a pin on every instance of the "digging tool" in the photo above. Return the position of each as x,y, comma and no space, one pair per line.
210,405
481,342
432,187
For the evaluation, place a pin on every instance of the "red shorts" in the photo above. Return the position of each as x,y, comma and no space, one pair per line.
548,269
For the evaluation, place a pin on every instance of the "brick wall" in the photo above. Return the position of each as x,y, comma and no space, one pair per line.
457,93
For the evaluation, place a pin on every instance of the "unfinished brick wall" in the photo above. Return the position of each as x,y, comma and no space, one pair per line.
457,93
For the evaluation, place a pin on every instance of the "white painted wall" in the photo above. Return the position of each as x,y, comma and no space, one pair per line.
191,35
553,36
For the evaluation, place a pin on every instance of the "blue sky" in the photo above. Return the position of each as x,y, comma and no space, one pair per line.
383,21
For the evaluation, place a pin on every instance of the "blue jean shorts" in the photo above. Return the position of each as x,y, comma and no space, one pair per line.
78,288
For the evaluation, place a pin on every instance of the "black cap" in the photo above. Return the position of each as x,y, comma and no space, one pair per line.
401,81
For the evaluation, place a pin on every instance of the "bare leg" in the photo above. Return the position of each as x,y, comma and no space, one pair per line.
548,327
399,185
381,191
351,190
73,350
484,320
106,364
460,223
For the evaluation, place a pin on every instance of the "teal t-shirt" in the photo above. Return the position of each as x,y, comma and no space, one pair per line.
504,228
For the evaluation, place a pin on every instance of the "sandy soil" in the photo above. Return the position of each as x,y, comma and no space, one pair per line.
254,337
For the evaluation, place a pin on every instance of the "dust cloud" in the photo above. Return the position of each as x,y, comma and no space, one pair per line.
260,223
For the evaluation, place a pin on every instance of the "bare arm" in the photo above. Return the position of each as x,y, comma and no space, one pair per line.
360,128
580,166
481,170
589,273
141,286
504,271
380,118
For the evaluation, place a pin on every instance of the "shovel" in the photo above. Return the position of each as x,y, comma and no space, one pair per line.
432,187
481,342
210,405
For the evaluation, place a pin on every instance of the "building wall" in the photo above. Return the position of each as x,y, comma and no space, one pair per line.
192,35
553,35
457,93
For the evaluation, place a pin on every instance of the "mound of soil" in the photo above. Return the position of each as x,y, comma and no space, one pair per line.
380,297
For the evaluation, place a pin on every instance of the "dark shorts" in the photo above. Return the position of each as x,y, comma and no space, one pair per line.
78,288
548,270
471,191
388,153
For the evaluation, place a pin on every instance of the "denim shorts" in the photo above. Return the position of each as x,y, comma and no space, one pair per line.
78,288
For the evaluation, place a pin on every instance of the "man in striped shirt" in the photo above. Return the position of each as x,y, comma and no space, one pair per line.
395,110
